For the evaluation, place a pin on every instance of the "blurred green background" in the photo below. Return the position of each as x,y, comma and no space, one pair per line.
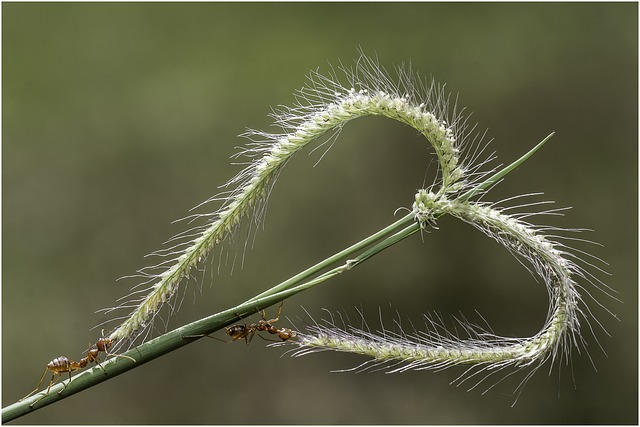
118,118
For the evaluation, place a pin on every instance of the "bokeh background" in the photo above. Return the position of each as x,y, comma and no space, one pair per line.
118,118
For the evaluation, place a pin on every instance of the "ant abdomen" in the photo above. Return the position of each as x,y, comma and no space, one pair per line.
63,364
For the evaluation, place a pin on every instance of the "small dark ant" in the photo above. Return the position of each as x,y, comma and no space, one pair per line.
62,364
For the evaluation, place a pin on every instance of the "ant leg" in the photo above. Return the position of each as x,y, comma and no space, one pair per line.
277,317
249,336
101,367
184,337
216,338
104,344
38,386
106,351
92,356
267,339
121,355
64,386
51,383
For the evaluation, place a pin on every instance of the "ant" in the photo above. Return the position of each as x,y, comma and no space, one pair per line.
247,332
103,344
62,364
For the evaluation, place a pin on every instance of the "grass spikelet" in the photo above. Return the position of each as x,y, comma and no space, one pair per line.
486,353
323,105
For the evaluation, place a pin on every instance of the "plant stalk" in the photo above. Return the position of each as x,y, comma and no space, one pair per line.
189,333
193,331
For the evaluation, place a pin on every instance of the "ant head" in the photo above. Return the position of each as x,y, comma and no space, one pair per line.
103,344
286,334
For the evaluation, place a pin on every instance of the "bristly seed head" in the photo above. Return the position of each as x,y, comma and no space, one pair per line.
325,104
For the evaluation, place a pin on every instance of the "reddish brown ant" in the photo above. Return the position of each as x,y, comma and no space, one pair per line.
62,364
58,366
103,344
247,332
